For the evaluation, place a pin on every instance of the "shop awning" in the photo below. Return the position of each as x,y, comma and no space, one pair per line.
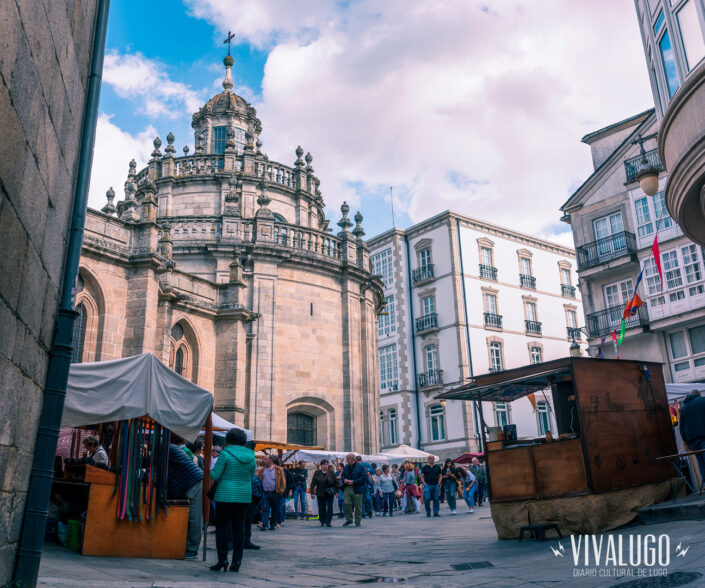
133,387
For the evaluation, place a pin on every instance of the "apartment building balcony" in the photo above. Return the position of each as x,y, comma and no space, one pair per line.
488,272
606,249
631,165
604,322
533,327
574,333
427,322
527,282
493,321
567,291
682,151
429,379
423,274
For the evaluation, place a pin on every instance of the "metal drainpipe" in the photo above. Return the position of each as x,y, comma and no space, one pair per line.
36,510
467,334
413,343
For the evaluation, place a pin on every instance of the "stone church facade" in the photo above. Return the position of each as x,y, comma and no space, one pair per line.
222,264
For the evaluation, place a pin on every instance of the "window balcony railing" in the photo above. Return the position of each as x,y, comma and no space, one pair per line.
533,327
567,291
527,281
606,249
429,378
493,320
423,273
606,321
427,322
631,165
488,272
574,333
493,369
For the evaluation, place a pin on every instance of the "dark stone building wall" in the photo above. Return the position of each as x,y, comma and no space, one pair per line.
45,53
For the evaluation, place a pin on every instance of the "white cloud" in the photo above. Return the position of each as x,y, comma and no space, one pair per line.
146,81
457,105
114,148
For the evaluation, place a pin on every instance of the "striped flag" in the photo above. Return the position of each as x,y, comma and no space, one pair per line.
614,340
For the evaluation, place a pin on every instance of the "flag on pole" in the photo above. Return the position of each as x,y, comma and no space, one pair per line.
532,400
622,331
602,348
614,340
657,259
630,309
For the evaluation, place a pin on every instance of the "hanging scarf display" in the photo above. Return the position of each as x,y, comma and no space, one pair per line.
142,460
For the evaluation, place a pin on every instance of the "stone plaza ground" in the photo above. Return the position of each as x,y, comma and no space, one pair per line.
411,550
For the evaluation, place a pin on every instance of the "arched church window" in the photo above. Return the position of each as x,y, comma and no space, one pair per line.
79,334
179,361
177,332
278,218
301,428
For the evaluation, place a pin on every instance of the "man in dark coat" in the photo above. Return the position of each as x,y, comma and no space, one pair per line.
354,484
185,480
692,425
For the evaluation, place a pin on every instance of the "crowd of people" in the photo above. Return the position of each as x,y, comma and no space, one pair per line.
247,493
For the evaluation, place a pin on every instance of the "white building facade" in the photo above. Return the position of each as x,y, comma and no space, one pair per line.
614,225
464,297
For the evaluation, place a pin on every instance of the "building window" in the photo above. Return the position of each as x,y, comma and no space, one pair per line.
671,269
618,293
692,35
669,63
501,414
525,263
183,356
79,334
425,257
428,305
571,319
566,277
301,429
382,436
392,419
382,266
606,226
438,422
486,256
495,356
681,267
648,209
543,417
536,354
490,303
531,311
219,137
388,372
387,324
179,361
687,350
431,358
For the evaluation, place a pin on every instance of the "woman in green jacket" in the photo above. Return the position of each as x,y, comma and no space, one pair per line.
233,472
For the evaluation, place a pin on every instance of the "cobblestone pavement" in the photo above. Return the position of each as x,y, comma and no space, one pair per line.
411,550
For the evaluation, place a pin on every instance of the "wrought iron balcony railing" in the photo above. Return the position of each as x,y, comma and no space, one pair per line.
568,291
606,249
631,165
574,333
527,281
493,320
427,322
533,327
488,272
606,321
429,378
423,273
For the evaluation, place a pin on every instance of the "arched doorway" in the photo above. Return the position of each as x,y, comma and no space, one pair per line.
301,428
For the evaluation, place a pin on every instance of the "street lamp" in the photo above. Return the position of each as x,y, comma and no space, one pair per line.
647,175
575,346
575,350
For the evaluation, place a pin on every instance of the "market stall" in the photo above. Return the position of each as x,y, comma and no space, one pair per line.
127,513
402,453
600,467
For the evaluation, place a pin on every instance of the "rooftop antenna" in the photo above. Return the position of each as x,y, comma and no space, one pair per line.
391,199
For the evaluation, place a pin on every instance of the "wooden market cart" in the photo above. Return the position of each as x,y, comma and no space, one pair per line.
600,467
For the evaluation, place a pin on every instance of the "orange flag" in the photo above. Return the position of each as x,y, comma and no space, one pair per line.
532,399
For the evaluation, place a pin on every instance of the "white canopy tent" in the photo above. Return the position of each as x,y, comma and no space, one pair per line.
315,456
220,425
680,391
133,387
404,453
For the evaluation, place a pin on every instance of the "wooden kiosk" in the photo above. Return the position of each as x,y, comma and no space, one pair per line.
600,468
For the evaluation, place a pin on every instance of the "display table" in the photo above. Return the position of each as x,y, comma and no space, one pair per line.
162,538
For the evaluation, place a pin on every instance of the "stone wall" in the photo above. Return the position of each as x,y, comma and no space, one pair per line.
45,51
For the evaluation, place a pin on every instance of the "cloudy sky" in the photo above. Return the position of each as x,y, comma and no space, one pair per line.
462,105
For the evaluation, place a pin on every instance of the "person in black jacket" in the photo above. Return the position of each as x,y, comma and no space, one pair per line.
324,486
692,426
354,484
185,480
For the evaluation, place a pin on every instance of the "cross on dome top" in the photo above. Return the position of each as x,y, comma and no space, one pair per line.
228,61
